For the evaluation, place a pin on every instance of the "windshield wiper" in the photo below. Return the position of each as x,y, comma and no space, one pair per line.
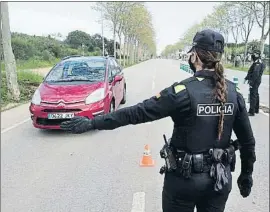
71,80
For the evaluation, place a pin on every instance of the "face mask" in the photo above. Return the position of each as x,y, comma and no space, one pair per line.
254,58
192,67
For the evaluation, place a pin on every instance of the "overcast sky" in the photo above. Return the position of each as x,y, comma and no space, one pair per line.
170,19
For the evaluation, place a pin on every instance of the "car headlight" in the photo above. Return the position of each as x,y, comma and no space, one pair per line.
96,96
36,99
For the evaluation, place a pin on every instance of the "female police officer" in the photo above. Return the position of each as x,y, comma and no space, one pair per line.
205,108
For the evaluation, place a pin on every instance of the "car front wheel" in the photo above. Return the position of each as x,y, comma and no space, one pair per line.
123,101
111,106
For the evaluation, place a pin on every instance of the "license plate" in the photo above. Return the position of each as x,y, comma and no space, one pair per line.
60,115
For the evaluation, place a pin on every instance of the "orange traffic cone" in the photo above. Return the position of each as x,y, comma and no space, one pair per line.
147,158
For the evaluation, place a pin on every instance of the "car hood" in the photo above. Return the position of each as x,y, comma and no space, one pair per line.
67,93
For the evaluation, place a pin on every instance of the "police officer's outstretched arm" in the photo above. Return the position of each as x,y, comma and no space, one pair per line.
154,108
244,134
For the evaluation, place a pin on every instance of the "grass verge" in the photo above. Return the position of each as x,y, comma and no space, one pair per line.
245,69
27,79
32,64
28,82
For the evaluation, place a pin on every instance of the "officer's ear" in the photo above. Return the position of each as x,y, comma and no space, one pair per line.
193,57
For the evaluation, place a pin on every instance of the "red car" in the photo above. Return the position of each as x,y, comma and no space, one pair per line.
78,86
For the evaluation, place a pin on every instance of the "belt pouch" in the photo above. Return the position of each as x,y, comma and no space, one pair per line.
186,165
197,163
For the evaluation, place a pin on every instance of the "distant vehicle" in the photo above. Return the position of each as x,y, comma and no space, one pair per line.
78,86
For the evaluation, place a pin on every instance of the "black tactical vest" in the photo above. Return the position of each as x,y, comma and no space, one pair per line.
197,131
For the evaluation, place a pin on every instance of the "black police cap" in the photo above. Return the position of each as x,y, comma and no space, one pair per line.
209,40
258,52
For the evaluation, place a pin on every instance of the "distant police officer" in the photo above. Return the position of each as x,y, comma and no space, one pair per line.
254,78
205,109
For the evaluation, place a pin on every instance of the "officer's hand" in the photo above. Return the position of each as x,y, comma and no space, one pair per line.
245,183
77,125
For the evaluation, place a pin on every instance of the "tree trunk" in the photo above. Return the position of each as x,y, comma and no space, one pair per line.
128,50
1,43
124,51
114,41
10,63
120,43
262,42
245,53
138,52
131,50
144,53
264,33
134,51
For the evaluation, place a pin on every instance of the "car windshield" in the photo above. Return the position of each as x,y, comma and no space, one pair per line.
91,70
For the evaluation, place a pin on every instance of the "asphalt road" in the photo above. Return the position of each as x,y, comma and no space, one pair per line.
52,171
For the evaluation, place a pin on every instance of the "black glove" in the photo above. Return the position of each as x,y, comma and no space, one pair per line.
77,125
218,170
245,182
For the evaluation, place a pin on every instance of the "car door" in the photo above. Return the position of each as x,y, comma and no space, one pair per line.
120,84
114,86
110,78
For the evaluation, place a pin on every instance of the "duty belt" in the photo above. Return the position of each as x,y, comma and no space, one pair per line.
198,163
214,161
201,162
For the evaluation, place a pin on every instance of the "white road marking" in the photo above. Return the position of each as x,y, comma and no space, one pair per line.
138,203
15,125
261,111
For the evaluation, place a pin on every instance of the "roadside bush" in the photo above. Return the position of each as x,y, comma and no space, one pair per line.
28,82
69,51
46,55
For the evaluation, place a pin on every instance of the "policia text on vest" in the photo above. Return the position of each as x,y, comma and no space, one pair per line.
214,109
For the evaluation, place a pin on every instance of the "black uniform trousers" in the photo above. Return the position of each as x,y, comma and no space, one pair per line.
254,98
182,195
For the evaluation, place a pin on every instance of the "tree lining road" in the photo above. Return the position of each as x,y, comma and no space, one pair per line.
99,171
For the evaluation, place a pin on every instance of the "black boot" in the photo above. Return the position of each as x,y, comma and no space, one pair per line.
251,114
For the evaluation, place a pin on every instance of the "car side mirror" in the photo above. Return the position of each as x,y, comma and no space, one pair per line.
111,79
118,78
